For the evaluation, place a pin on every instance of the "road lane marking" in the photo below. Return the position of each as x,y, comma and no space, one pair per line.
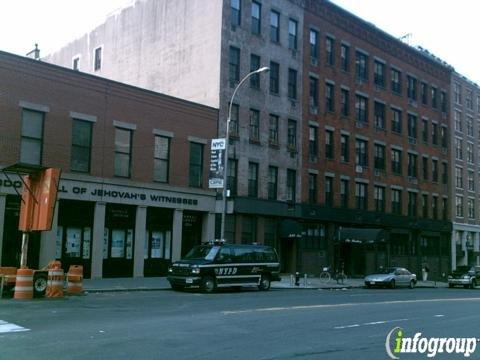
6,327
439,315
322,306
369,324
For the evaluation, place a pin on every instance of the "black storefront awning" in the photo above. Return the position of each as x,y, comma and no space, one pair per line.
290,229
361,235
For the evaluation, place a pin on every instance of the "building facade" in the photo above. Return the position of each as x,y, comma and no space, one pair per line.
132,195
465,135
340,154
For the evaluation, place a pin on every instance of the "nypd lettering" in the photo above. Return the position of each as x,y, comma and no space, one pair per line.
226,271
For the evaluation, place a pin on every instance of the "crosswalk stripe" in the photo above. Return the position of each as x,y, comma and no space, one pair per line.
6,327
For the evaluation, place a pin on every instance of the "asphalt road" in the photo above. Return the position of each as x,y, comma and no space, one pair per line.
279,324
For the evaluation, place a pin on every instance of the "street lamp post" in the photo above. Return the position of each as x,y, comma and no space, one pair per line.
227,130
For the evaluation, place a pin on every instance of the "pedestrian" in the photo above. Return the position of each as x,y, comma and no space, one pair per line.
425,271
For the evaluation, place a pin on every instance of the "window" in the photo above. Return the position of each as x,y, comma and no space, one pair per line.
361,152
458,121
397,201
248,236
235,12
361,196
329,144
344,148
272,182
396,121
379,158
411,88
396,161
471,181
379,74
379,115
312,188
97,62
345,102
274,26
344,193
252,179
234,66
274,77
196,165
292,84
361,65
424,206
444,208
313,46
458,178
469,126
434,95
471,208
396,81
292,34
292,135
233,127
329,97
254,65
232,174
434,134
412,126
32,137
435,170
361,108
412,165
443,101
470,153
81,146
123,152
425,130
291,185
379,196
425,167
254,125
469,99
161,159
457,93
424,93
459,206
412,204
273,130
256,18
345,57
435,207
328,191
313,95
76,63
330,50
458,149
313,143
445,173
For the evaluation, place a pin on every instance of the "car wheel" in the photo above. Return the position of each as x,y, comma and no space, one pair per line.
474,284
392,284
264,283
412,284
208,284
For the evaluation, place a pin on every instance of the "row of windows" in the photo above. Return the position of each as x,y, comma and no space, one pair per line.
459,179
467,98
275,20
417,204
460,207
97,60
362,160
416,91
32,136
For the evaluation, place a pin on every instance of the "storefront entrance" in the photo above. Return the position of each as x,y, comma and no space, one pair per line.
74,234
12,238
118,241
158,244
192,230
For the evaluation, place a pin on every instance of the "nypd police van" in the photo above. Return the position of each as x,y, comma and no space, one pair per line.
214,265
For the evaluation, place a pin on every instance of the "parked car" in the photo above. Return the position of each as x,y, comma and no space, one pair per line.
391,277
225,265
468,276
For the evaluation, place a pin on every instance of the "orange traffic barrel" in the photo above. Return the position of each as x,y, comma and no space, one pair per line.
24,284
55,283
75,279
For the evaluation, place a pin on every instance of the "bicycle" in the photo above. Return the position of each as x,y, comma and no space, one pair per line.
326,275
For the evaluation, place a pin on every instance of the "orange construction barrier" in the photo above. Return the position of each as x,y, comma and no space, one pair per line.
10,273
24,284
75,279
55,283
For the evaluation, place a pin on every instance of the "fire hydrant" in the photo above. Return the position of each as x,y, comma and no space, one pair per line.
297,279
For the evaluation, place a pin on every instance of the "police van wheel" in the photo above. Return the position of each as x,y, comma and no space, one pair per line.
264,283
208,284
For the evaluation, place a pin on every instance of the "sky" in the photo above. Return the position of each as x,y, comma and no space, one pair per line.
444,27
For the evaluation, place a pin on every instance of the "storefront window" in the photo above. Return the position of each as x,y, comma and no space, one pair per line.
118,244
73,242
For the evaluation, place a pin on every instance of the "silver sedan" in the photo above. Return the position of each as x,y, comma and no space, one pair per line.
391,277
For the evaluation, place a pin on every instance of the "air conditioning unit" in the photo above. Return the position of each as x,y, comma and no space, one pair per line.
358,124
313,110
313,61
359,169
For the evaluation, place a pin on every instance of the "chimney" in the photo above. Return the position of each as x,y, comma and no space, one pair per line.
35,53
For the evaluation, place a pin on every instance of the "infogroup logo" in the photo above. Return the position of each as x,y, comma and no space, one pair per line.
397,343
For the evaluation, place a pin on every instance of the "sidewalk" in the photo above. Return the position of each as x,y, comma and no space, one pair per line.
161,283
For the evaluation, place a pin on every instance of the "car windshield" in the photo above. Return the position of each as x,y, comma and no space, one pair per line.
387,271
204,252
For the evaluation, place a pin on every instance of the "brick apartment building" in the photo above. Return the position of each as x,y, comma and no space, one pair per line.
309,173
465,140
133,193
